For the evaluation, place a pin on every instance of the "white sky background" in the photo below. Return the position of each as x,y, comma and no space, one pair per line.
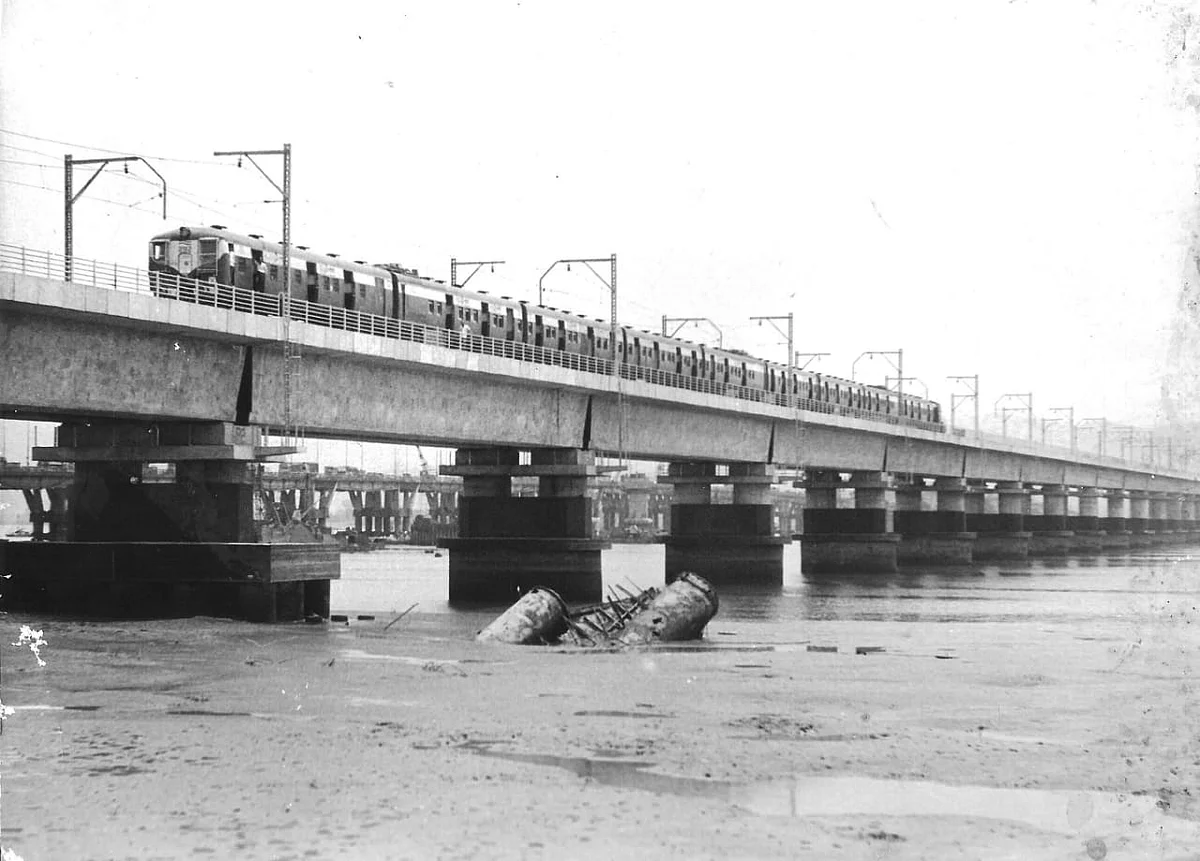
1002,189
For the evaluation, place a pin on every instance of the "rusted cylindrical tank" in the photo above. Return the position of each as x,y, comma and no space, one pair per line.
678,612
540,616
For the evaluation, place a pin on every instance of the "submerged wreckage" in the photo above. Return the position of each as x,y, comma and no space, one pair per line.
678,612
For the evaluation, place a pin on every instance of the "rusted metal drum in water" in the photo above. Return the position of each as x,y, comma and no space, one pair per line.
540,616
678,612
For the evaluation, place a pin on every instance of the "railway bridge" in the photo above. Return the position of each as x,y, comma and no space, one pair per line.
193,380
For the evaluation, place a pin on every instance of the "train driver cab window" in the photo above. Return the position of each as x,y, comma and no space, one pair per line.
208,253
158,250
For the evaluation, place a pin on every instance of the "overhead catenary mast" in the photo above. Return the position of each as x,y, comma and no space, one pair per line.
291,432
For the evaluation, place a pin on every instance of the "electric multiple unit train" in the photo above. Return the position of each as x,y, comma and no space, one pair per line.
220,257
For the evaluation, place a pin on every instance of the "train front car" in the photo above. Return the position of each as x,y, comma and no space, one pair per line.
183,254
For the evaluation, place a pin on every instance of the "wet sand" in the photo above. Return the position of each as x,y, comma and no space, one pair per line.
203,737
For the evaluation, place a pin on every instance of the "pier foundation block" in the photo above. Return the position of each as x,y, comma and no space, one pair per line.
508,545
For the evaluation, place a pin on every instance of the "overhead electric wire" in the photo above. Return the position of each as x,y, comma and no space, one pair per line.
27,163
58,191
116,151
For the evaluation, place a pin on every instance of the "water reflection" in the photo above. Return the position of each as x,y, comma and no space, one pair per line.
1039,589
1138,821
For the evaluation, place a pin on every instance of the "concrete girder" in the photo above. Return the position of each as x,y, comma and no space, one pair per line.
72,350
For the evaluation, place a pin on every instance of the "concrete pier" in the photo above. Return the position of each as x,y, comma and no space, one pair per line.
1161,519
507,545
933,537
726,544
1115,523
1089,537
1141,528
1000,534
1051,535
854,540
195,545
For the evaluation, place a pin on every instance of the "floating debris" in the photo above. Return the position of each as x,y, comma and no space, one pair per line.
679,612
539,617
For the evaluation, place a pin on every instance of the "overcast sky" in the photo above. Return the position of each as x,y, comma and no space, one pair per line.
999,188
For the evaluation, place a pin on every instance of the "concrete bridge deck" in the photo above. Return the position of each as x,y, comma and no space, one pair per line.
81,349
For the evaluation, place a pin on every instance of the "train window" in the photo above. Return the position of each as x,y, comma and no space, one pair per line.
296,276
432,310
325,282
439,307
230,247
158,250
475,314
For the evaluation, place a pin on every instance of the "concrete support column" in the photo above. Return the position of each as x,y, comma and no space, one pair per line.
1189,514
638,524
391,502
192,546
326,500
509,544
1051,535
1089,536
725,543
1115,523
933,537
58,519
999,535
1160,519
855,540
1141,527
1175,518
37,513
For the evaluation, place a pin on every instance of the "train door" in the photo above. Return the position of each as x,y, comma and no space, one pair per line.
259,282
678,361
485,320
348,290
539,331
396,313
510,325
313,287
637,352
591,342
562,335
657,356
450,322
694,369
725,371
742,376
